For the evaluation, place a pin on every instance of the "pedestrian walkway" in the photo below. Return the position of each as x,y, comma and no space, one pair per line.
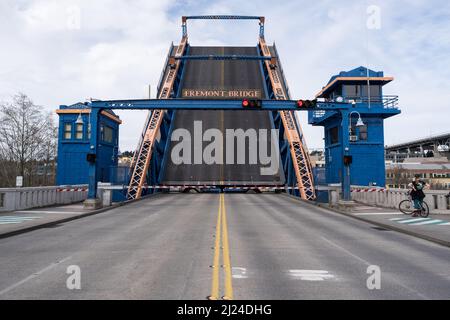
434,227
15,222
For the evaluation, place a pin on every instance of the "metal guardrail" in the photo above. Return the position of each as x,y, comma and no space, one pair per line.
388,102
33,197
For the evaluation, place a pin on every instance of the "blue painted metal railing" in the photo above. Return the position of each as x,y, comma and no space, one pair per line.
388,101
222,57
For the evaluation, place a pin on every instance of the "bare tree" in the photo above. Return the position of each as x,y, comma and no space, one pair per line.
27,139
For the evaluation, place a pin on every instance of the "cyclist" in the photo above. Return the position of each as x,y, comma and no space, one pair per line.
417,195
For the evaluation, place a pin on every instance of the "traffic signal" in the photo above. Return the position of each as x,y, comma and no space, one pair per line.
91,157
251,103
306,104
348,160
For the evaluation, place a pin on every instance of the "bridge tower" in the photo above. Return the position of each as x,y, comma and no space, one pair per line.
354,138
73,144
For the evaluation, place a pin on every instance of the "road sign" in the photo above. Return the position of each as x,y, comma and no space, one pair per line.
19,181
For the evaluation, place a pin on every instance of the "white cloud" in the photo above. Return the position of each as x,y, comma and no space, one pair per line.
120,46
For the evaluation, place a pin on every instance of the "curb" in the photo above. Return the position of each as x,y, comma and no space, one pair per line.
378,224
83,215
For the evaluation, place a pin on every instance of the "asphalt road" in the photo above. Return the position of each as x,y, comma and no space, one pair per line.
163,247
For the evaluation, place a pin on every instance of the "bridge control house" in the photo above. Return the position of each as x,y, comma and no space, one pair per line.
354,139
73,144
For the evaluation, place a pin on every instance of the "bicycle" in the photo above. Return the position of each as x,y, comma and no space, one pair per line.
407,207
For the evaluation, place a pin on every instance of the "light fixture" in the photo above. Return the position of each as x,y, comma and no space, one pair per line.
79,119
359,123
339,99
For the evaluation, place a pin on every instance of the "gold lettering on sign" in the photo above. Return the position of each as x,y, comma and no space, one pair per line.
221,94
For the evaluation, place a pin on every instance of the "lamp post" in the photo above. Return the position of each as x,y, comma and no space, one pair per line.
347,157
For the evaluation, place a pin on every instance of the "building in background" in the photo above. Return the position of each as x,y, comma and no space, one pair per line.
429,158
317,158
432,146
399,175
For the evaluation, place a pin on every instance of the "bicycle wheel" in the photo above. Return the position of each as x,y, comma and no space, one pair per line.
425,210
406,207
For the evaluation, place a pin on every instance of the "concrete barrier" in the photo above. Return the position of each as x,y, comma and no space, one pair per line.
390,198
26,198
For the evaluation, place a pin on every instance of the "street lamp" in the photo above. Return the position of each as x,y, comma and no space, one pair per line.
347,156
359,122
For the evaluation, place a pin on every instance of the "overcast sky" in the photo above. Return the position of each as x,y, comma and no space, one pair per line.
65,51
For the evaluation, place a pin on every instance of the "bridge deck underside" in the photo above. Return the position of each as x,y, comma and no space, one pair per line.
226,76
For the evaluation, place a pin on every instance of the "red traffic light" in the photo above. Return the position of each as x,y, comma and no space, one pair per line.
307,104
246,103
348,160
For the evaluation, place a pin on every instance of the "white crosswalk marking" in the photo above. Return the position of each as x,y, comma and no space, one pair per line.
420,221
15,219
412,220
428,222
311,275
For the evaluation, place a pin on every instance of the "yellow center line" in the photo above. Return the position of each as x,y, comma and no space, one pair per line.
222,116
216,263
226,254
221,239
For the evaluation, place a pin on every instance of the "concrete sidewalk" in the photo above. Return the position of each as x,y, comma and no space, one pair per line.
434,228
17,222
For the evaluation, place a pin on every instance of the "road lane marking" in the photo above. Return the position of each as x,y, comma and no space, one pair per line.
226,255
239,273
34,275
216,261
311,275
221,241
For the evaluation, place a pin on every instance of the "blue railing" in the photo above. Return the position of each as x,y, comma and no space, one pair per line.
388,102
